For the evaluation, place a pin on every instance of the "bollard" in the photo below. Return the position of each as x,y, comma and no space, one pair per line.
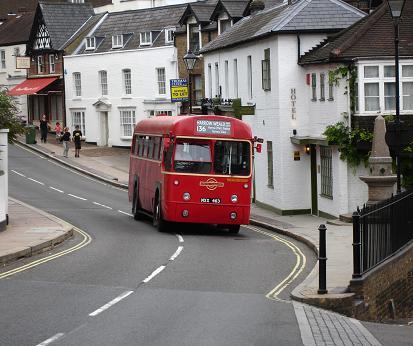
322,261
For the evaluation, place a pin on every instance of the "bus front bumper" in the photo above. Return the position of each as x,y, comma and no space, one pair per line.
208,214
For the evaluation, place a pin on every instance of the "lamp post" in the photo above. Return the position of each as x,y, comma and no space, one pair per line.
396,9
190,61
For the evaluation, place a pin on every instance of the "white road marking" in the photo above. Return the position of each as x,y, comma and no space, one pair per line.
156,272
176,254
102,205
52,339
111,303
21,174
122,212
53,188
36,181
180,238
74,196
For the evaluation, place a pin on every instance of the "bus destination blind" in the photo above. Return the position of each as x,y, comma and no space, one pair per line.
213,127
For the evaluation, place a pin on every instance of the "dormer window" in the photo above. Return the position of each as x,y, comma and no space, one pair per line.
90,43
169,35
194,38
224,25
117,41
146,38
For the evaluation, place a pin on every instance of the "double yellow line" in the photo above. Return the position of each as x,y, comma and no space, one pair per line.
298,267
85,241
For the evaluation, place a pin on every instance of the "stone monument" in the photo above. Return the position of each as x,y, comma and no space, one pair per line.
381,180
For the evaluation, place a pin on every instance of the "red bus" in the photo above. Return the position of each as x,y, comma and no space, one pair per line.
192,168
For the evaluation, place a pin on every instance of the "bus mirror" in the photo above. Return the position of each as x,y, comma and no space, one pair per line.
258,148
258,140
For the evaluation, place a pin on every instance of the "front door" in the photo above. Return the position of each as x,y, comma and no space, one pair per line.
104,129
314,197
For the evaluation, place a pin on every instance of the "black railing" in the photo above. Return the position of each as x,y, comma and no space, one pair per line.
380,230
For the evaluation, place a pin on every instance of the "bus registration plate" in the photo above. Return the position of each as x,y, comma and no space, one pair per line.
210,200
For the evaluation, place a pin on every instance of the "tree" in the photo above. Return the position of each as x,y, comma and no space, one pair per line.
9,118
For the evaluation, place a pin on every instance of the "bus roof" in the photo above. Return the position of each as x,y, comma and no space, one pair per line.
195,125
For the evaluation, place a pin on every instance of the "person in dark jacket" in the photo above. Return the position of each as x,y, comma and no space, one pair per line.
77,136
65,140
44,127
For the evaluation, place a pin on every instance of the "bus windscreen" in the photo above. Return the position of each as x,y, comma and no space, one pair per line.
193,157
232,158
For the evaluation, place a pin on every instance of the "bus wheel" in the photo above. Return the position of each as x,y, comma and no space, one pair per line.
135,205
158,222
234,229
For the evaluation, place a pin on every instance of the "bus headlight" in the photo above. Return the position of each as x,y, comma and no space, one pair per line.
186,196
234,198
245,186
233,215
176,182
185,213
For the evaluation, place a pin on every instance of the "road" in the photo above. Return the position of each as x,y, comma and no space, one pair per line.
132,285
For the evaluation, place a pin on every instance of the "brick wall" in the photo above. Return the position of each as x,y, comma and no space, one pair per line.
390,283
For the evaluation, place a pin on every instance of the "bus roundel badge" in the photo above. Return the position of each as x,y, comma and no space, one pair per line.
211,184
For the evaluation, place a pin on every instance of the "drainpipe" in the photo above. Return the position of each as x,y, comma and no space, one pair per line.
298,47
64,91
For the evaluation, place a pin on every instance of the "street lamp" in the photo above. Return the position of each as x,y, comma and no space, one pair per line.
396,9
190,61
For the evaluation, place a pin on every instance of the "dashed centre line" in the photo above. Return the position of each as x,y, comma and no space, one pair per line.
53,188
50,340
74,196
122,212
176,254
111,303
156,272
36,181
21,174
102,205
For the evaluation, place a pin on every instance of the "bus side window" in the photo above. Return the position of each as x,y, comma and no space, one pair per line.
145,146
150,147
157,146
140,148
134,146
168,157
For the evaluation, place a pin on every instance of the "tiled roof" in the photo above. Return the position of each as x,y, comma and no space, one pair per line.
373,36
234,8
132,23
20,6
64,19
301,16
16,30
201,10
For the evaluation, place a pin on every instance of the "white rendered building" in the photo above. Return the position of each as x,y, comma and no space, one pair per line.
257,60
121,73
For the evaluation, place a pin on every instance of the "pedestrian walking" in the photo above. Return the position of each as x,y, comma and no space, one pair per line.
44,128
77,136
65,140
58,131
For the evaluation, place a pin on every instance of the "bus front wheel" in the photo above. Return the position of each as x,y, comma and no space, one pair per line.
158,221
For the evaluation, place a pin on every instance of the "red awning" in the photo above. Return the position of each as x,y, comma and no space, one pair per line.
31,86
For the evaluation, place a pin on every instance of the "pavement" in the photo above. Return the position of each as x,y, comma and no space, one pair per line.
111,165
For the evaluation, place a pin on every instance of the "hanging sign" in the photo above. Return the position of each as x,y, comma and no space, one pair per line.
179,90
22,62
